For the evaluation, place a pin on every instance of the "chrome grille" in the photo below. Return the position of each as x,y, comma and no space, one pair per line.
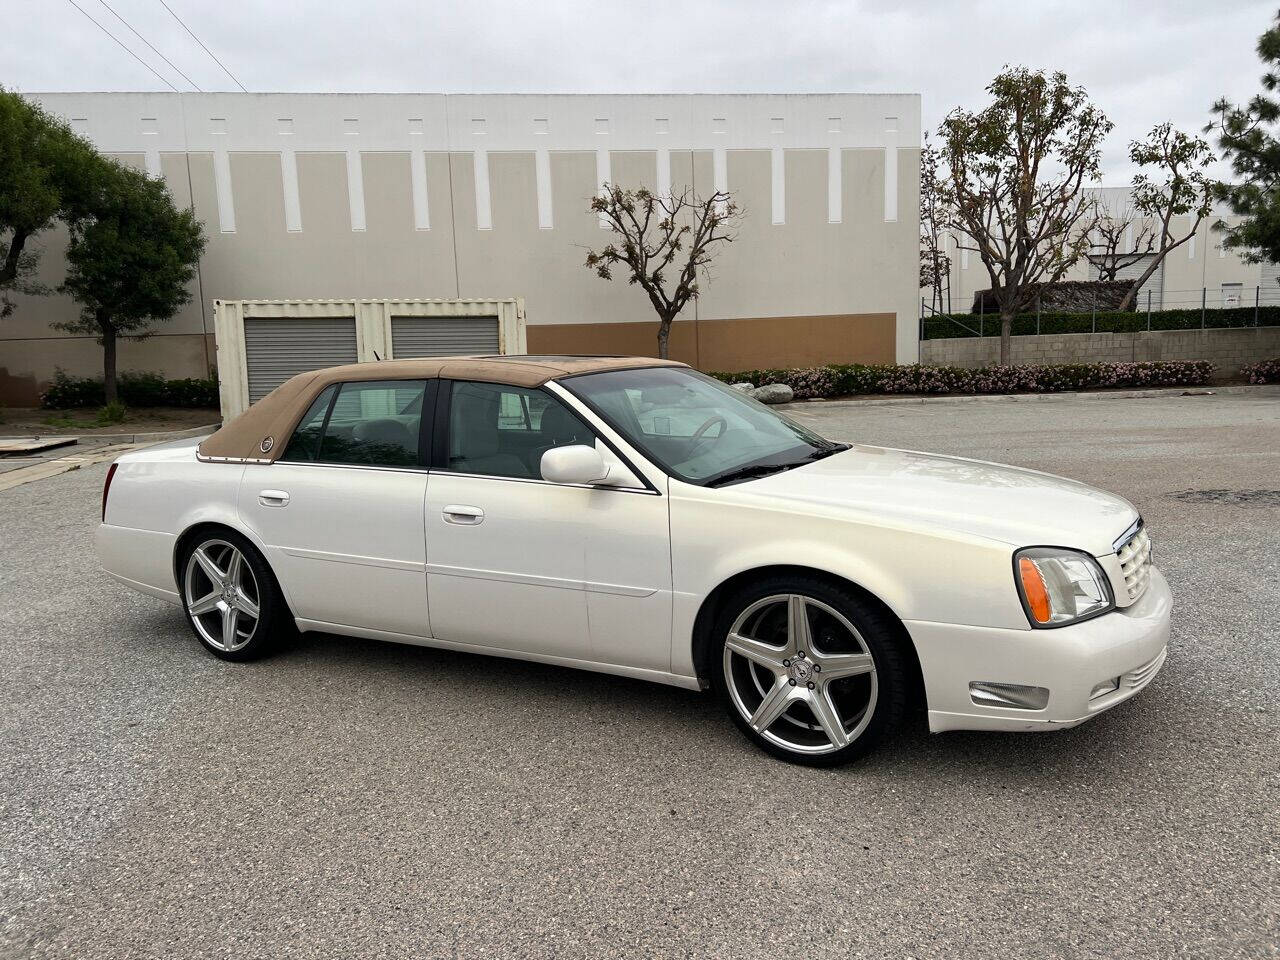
1134,553
1142,675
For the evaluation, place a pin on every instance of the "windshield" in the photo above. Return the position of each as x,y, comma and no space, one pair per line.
695,427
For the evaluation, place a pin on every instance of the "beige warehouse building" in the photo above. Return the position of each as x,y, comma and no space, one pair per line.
409,196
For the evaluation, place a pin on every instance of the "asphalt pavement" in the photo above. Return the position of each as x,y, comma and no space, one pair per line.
348,798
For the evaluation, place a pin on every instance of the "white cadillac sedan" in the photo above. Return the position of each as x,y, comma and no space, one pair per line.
635,517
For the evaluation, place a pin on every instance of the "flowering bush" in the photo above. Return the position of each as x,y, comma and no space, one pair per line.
1265,371
846,379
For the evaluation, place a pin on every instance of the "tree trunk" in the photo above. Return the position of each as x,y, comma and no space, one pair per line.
109,388
9,268
664,335
1006,336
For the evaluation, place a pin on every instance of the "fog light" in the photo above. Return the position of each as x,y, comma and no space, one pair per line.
1105,687
1012,695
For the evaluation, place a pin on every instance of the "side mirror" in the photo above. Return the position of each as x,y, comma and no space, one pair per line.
576,463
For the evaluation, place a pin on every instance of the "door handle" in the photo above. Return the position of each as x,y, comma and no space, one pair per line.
460,513
273,498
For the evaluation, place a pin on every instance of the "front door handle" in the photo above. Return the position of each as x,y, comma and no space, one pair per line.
273,498
460,513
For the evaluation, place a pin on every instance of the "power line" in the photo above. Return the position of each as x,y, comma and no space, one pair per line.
202,46
148,43
122,45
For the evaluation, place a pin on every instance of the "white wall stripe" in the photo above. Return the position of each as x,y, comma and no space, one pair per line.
778,170
603,175
418,178
542,169
289,177
891,169
222,184
720,169
664,172
355,189
835,197
1191,247
484,210
153,163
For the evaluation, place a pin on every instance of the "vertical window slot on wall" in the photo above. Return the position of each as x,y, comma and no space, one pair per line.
284,126
351,126
602,126
218,126
540,126
477,126
777,125
719,125
662,126
149,126
416,128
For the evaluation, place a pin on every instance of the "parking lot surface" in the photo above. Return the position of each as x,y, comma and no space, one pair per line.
356,799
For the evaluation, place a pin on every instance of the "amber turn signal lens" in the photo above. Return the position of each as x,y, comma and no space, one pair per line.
1034,590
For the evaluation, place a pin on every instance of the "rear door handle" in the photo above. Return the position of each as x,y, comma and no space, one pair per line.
273,498
463,514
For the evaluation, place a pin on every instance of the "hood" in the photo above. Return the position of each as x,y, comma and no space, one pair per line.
972,497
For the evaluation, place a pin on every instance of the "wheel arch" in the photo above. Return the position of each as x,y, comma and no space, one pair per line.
704,639
199,527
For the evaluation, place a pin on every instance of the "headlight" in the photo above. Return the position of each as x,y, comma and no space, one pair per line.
1060,586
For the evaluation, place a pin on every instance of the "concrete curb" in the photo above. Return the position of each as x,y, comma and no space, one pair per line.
1270,389
52,468
160,437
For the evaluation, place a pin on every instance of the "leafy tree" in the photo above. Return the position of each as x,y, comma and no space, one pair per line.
1017,169
935,264
129,262
662,243
1246,138
1176,187
46,173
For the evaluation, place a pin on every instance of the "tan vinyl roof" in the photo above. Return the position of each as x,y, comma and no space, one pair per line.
270,422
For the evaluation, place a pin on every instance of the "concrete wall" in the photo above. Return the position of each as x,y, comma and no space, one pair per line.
1228,348
406,196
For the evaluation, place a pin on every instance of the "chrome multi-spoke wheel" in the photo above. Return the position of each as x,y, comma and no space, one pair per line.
811,670
800,674
222,595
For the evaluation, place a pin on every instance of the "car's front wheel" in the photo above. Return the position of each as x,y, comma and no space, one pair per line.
809,671
230,596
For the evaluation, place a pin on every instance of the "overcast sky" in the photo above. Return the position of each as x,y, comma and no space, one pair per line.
1143,63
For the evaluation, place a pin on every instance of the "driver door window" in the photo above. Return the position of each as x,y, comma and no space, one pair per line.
502,431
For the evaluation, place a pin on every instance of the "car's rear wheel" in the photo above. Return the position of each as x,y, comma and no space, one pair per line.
230,596
809,671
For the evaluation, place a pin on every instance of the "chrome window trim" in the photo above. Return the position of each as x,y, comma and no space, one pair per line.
547,483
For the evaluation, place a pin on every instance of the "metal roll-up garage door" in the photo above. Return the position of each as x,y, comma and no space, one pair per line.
443,336
277,349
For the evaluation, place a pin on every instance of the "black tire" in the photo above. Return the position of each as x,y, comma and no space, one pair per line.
886,691
253,638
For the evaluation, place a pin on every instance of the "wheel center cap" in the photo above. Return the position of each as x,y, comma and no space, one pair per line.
801,670
229,593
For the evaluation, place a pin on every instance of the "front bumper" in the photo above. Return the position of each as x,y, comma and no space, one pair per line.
1129,644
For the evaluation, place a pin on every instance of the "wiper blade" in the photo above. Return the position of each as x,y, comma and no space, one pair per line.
750,472
824,452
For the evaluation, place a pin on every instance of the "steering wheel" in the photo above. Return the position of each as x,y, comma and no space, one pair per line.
699,438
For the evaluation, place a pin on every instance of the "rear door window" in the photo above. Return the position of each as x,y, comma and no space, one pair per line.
376,423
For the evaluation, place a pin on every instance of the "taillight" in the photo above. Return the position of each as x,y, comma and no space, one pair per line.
106,488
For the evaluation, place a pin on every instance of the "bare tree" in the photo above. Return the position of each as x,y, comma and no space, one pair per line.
663,243
1017,171
935,264
1177,187
1122,238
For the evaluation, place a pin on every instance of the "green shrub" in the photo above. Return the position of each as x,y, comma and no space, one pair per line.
113,412
942,328
839,380
136,390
